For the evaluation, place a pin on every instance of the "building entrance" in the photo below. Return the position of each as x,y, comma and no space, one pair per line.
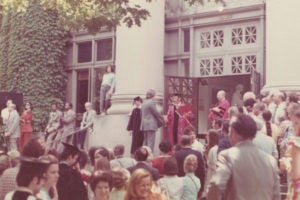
202,92
82,90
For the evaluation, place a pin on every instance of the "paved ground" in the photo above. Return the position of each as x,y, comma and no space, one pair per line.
110,130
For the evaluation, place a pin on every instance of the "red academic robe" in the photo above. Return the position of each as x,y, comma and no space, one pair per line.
223,114
182,123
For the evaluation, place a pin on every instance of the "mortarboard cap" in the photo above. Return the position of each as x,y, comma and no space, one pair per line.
71,148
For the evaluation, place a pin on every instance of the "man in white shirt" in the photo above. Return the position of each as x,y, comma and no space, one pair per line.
196,145
5,112
277,107
262,141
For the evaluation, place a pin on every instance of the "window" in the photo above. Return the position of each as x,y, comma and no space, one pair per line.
218,66
205,67
237,65
104,49
250,63
250,34
186,40
205,40
218,37
84,53
237,36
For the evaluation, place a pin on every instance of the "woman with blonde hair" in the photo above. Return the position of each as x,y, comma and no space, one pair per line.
191,183
140,187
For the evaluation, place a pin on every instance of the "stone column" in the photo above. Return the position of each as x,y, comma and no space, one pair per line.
282,40
139,67
139,58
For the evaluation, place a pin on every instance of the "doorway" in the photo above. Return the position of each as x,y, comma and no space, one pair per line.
201,92
82,90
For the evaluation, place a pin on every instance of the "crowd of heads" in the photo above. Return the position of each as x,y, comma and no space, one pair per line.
39,168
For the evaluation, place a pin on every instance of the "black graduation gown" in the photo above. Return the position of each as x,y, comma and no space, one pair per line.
22,195
134,125
70,185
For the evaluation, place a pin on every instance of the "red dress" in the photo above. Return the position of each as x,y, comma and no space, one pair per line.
26,128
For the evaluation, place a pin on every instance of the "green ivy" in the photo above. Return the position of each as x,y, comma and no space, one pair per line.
32,54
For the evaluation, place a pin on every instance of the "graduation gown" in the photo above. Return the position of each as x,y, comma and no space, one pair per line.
134,125
70,185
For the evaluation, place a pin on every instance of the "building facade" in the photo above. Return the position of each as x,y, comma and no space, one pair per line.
207,48
218,45
87,57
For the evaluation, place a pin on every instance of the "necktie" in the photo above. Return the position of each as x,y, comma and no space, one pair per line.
274,114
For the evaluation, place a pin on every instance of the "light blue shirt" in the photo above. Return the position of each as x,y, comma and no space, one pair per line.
109,79
191,187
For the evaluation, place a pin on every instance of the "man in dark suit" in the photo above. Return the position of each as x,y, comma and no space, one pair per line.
186,150
141,156
70,185
151,119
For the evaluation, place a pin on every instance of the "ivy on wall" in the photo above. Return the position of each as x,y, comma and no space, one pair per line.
32,49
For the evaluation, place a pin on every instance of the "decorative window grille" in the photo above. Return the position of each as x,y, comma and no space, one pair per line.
250,34
250,63
237,36
237,65
218,38
205,67
218,66
205,39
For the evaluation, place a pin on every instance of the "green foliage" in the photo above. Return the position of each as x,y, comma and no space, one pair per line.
91,14
87,14
31,59
4,47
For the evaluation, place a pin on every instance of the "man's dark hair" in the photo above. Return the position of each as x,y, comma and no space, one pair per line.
293,97
33,148
267,115
165,146
28,171
119,150
138,98
185,140
68,152
219,122
244,126
249,102
141,154
188,131
225,127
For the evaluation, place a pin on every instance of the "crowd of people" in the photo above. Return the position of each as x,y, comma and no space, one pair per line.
252,145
